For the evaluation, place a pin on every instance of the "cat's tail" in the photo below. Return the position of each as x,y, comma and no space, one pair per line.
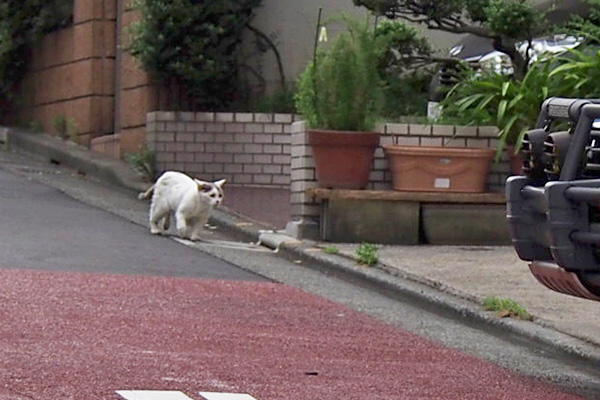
146,194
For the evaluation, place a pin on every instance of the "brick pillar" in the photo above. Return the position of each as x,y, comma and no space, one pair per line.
135,92
305,210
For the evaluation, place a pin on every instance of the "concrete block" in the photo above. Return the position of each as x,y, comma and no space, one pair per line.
303,229
452,224
375,221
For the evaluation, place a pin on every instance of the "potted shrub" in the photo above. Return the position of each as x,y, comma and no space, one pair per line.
340,96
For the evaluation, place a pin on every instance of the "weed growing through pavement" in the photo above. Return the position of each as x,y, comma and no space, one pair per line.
66,128
366,254
506,308
143,161
331,250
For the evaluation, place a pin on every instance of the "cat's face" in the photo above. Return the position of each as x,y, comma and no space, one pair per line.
212,191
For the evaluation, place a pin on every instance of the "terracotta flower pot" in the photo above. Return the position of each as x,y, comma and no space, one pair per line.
343,160
439,169
516,160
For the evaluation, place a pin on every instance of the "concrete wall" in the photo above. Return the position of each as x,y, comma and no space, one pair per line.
292,24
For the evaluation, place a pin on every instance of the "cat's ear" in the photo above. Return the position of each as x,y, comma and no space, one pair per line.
203,186
221,182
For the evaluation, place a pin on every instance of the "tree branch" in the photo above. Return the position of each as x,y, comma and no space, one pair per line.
275,52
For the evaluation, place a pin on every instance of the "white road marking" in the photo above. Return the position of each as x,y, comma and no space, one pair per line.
226,396
225,244
152,395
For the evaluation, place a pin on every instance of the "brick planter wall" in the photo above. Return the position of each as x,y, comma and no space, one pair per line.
306,210
244,148
271,150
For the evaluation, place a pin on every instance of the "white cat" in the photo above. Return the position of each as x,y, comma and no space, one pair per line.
190,200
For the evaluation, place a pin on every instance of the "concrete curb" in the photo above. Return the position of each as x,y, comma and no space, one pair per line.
432,295
68,153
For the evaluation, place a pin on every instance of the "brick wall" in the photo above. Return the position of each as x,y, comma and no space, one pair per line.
244,148
272,150
72,73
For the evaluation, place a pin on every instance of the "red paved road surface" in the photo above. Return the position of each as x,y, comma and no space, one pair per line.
83,336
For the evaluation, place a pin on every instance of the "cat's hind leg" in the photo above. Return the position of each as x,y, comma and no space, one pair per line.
166,222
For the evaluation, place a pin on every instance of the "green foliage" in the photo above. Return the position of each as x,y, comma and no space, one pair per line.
399,46
331,250
506,21
514,19
506,308
588,27
366,254
144,161
489,98
579,73
405,94
400,51
341,89
22,22
195,42
281,101
66,128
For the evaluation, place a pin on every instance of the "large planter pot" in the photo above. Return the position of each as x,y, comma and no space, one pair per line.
343,160
439,169
516,160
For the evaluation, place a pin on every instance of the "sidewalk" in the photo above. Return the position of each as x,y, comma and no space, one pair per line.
454,278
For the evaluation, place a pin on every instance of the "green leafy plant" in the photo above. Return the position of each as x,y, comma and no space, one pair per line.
331,250
66,128
196,43
144,161
579,72
281,101
506,21
22,22
490,98
366,254
341,88
406,95
506,308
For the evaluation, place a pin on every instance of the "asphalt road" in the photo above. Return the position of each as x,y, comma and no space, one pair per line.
94,307
43,228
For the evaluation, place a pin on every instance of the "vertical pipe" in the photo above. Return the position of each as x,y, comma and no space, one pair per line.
118,67
314,68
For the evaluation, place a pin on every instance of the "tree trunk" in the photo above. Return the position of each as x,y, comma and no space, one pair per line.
520,64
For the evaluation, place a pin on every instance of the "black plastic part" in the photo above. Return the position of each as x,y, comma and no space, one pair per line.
532,149
554,221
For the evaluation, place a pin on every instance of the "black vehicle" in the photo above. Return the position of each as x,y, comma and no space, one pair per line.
553,207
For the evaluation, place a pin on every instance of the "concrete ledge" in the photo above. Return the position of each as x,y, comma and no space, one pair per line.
410,218
374,221
116,172
461,224
421,197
